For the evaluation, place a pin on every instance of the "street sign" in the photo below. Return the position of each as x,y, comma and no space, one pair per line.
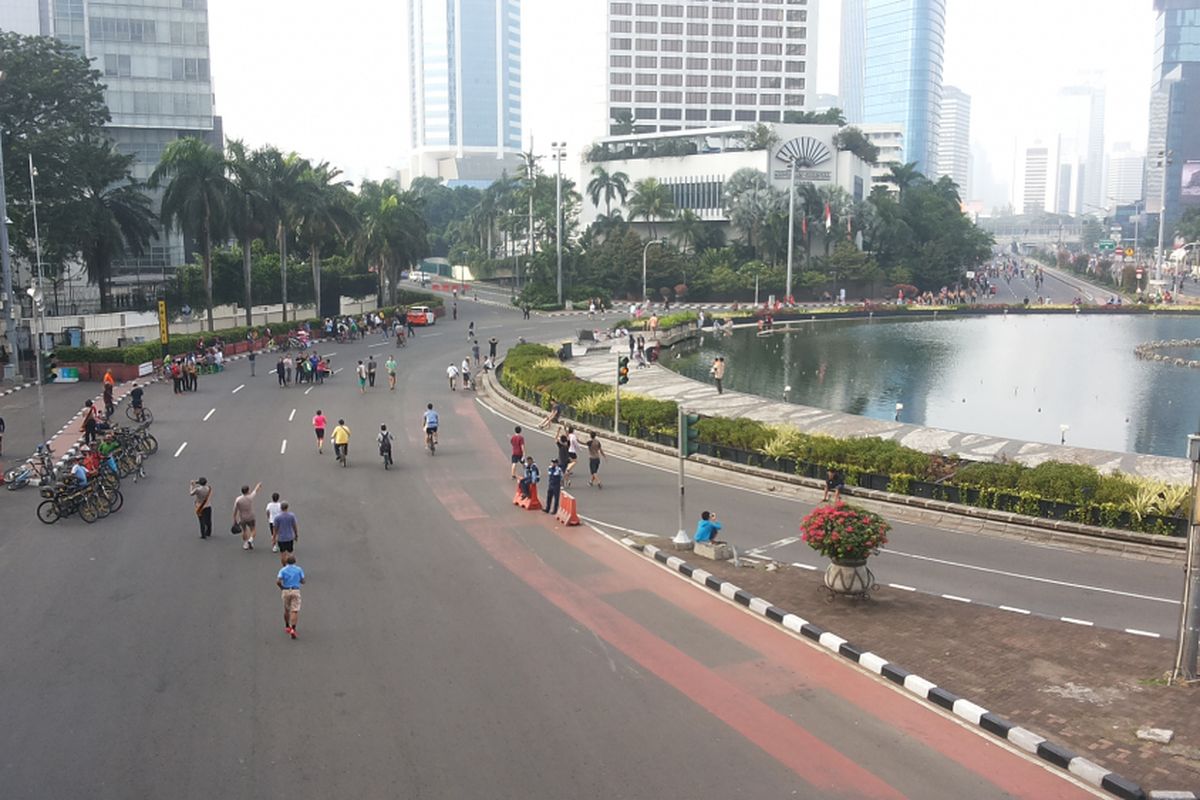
1129,252
1106,245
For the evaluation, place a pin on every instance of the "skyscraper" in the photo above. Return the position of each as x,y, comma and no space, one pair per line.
1125,172
954,139
1036,179
677,65
1174,109
1080,128
903,72
464,88
153,58
851,76
21,16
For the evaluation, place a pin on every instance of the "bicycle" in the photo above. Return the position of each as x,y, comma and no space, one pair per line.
41,467
430,441
342,451
62,501
139,414
385,451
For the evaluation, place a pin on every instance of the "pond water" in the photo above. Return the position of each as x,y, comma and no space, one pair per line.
1017,377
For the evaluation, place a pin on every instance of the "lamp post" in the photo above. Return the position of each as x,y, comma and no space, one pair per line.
560,152
1062,429
1189,619
39,300
1164,161
10,300
645,253
787,292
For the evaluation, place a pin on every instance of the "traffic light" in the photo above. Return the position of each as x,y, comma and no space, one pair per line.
690,440
623,370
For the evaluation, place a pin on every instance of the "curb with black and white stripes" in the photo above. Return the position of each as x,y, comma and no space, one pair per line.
964,709
15,389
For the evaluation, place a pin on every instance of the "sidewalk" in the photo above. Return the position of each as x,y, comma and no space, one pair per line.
662,384
1088,688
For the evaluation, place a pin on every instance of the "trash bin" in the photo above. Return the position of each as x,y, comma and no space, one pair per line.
564,352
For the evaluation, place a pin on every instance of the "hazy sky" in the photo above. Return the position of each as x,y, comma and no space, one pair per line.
327,80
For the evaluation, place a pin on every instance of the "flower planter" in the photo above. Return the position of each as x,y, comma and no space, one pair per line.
849,576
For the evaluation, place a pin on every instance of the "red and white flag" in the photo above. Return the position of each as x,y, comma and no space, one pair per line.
828,217
804,227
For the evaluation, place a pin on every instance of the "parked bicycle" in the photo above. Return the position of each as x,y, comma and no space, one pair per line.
39,470
63,501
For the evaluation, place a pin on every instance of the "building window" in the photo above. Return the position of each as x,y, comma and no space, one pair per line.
697,12
795,66
742,115
620,79
670,97
671,62
620,61
722,47
722,64
672,80
745,99
747,31
797,33
793,83
620,8
721,12
619,95
773,14
647,44
645,113
196,5
793,99
747,65
746,82
672,10
696,115
697,46
747,13
772,49
672,28
768,116
722,81
697,29
669,113
770,99
646,79
771,65
117,66
696,98
697,80
645,97
672,45
621,26
647,10
697,63
124,30
722,29
797,49
620,44
721,98
769,83
644,26
797,15
721,115
772,31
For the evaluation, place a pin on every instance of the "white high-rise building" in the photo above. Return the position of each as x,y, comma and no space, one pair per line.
1080,127
954,139
21,16
889,138
464,89
675,65
1036,178
1124,175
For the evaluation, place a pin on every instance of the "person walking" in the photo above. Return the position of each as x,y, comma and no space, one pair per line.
109,405
452,374
464,370
572,453
289,580
318,422
361,372
718,372
385,440
280,371
287,532
517,441
243,514
273,509
470,330
595,453
371,371
90,422
390,366
1,436
554,482
475,352
202,493
454,311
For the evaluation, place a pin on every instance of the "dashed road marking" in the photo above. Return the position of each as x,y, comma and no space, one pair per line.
292,416
238,389
1073,621
808,567
956,598
901,587
211,411
1137,632
378,344
1016,610
283,447
339,369
180,450
309,389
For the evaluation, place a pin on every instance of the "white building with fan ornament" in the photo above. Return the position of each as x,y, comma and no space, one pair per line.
695,164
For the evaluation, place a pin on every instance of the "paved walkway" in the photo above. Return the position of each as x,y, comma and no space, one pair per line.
702,398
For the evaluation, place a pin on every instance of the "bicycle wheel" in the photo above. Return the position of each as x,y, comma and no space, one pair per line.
89,510
115,502
47,512
149,444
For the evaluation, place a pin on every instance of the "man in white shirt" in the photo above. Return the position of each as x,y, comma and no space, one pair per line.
273,509
452,374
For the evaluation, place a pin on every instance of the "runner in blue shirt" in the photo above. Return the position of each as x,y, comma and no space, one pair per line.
288,580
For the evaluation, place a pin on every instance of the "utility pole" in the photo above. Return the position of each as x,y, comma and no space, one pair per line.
681,536
787,294
1164,160
1189,619
39,302
560,152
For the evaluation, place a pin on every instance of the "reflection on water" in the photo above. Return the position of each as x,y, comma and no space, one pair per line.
1019,377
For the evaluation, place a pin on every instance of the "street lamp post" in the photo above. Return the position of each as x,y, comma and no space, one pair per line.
1164,161
645,253
39,300
560,152
1189,619
787,292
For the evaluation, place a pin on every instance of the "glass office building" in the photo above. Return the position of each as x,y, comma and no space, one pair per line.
1174,109
902,72
464,88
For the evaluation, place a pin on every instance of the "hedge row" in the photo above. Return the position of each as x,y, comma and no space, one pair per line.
181,343
1051,489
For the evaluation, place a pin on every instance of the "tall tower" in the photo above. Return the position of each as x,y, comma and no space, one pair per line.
1124,175
905,42
954,139
1174,108
464,88
1080,111
698,64
851,75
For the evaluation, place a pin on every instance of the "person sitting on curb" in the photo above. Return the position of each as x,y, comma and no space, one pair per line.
555,415
834,482
706,529
532,476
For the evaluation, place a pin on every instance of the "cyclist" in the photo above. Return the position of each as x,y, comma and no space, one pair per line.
429,420
390,366
341,440
79,473
135,401
385,440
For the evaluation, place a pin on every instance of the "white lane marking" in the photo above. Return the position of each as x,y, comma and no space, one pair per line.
901,587
1074,621
1034,578
956,597
283,447
1137,632
180,450
379,344
805,566
330,355
238,389
428,335
211,411
339,369
775,545
1015,610
309,389
292,416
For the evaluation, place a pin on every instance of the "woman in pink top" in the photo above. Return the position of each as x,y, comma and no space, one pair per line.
319,427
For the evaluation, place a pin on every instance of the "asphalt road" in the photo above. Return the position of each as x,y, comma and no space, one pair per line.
450,645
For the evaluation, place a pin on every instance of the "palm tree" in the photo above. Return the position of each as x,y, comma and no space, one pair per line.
281,182
195,195
687,229
391,233
651,201
322,211
903,176
111,218
247,210
609,184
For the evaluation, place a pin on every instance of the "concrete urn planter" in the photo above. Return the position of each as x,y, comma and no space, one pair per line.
849,576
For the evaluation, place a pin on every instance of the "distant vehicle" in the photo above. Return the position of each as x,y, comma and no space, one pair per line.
421,315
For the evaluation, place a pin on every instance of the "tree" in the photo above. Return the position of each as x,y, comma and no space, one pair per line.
652,201
609,185
248,211
391,233
761,137
281,182
749,202
622,123
1092,233
831,116
1188,227
903,176
111,216
195,195
688,227
853,140
322,212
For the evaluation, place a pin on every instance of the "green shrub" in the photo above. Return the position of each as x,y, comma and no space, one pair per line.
1054,480
999,476
741,433
645,415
